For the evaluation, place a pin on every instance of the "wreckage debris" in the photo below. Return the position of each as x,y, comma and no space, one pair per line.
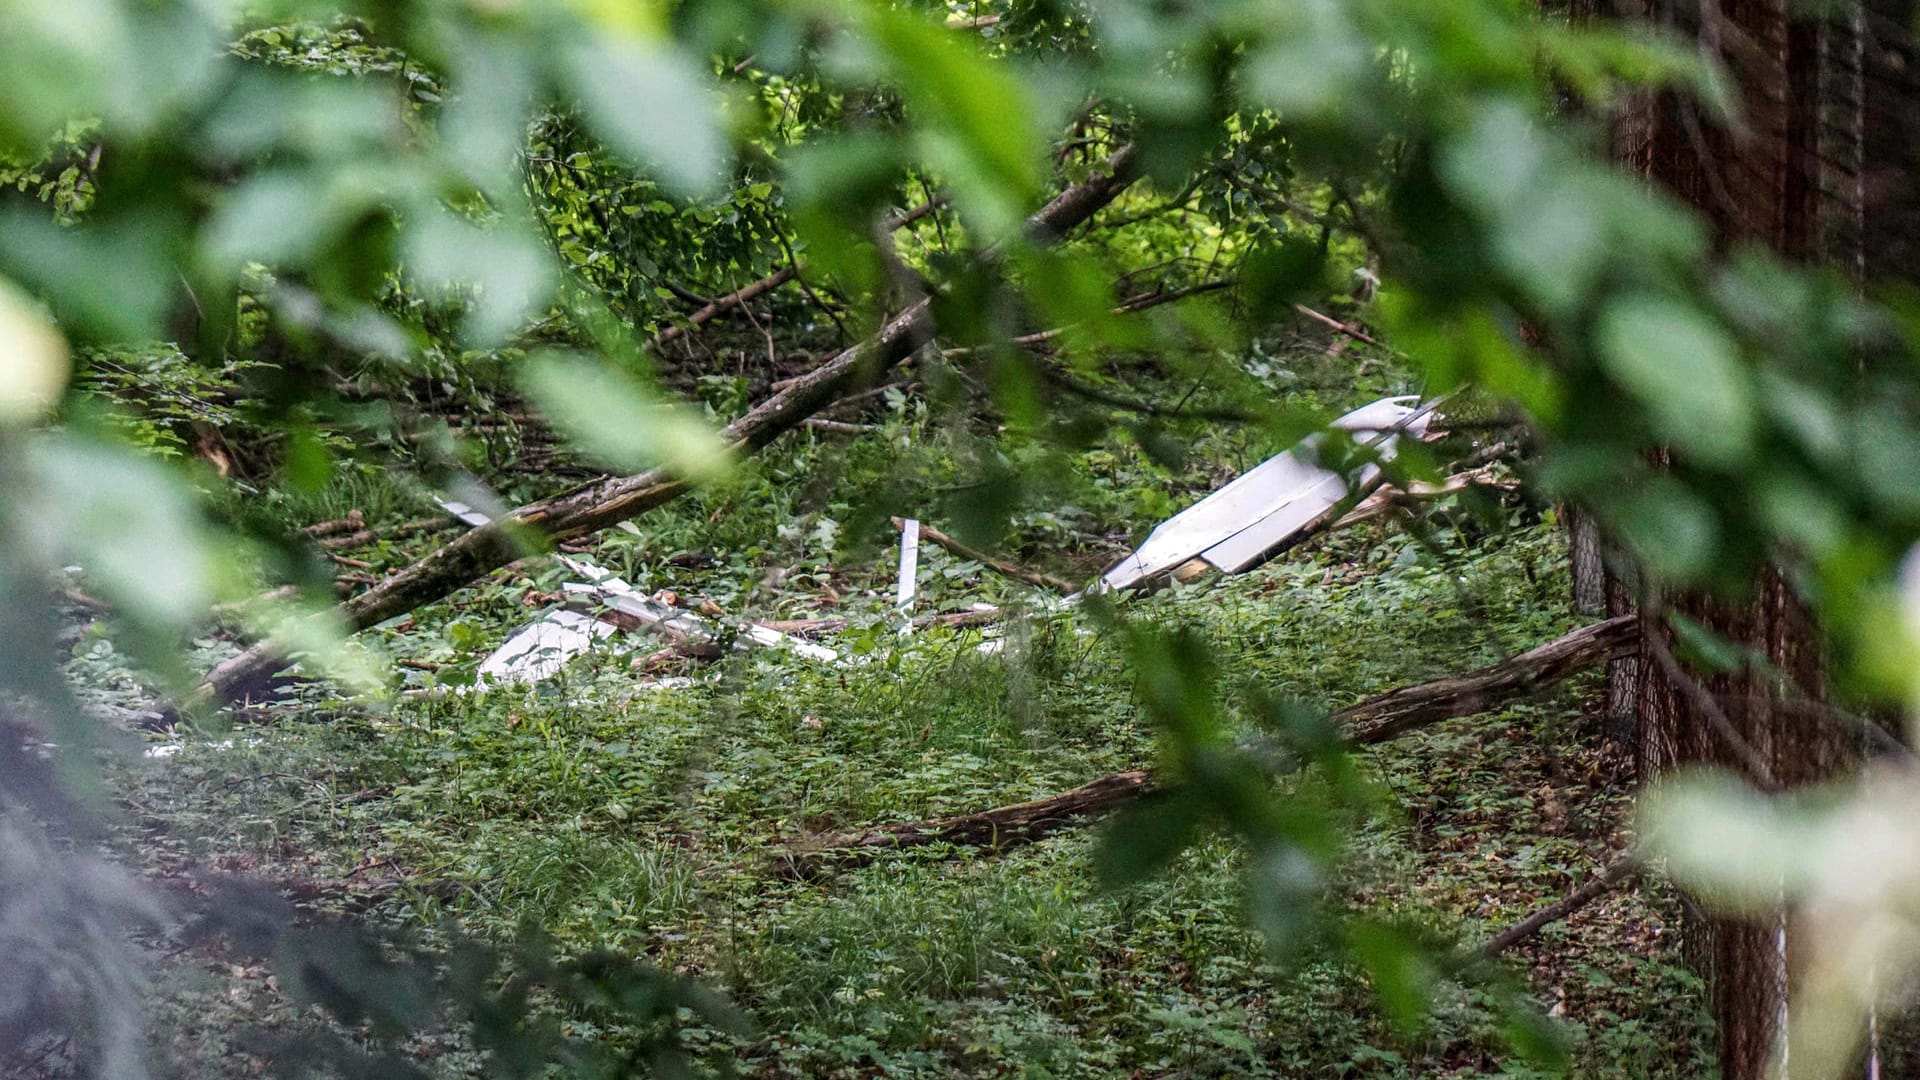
1258,515
541,648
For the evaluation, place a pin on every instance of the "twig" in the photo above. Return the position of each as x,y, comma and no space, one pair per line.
1168,296
807,287
1337,326
1614,873
754,291
1137,405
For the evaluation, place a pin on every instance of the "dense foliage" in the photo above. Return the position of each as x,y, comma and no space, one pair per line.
261,264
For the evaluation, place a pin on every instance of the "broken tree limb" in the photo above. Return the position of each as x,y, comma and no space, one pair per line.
1620,870
1398,712
1337,326
1387,499
600,503
1004,826
353,522
1371,722
749,293
999,566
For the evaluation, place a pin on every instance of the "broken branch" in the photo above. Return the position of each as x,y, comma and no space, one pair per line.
1371,722
749,293
1614,873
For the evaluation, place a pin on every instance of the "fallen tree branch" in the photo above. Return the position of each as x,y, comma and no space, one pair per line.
1614,873
353,522
1371,722
1001,827
1337,326
600,503
1387,499
999,566
749,293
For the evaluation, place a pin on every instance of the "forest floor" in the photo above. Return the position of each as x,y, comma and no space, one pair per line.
616,815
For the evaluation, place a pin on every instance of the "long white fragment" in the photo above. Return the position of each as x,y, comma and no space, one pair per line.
464,512
904,591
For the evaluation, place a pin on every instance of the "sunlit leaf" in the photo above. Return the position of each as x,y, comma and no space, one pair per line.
619,422
1686,371
652,105
33,359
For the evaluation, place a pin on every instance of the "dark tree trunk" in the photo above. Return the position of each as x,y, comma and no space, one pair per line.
1589,570
1822,151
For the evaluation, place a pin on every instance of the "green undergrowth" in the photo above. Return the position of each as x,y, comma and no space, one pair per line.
645,820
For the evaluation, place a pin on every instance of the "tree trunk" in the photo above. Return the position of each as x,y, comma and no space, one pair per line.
1589,570
1798,175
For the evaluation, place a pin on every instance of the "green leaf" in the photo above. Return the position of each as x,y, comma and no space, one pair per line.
129,523
618,421
1686,371
1145,838
975,117
33,359
1397,965
654,106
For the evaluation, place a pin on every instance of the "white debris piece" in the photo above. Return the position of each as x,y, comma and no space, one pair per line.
464,512
541,648
1246,522
609,589
909,564
169,749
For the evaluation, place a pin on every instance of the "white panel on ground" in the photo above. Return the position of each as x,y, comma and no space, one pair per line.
1240,525
544,647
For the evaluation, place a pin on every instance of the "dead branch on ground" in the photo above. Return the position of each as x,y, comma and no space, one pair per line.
1619,871
1371,722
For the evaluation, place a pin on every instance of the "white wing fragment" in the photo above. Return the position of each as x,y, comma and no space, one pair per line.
1246,522
542,648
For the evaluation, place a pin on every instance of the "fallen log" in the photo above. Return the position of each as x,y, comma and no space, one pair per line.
1371,722
600,503
353,522
1001,827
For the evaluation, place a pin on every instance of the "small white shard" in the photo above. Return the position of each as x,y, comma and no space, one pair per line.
167,750
464,512
544,647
